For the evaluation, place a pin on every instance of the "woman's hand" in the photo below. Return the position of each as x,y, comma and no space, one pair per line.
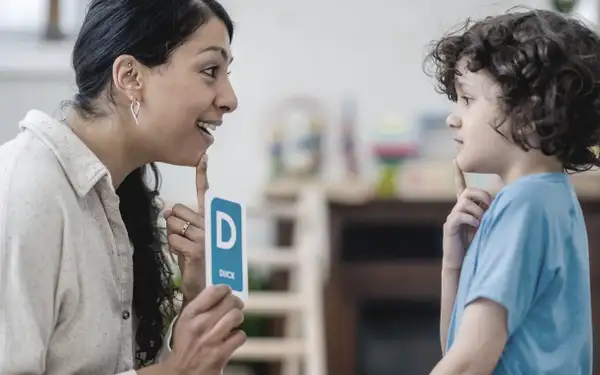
185,230
205,335
464,219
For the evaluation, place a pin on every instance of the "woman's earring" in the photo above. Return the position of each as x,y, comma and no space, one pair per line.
135,109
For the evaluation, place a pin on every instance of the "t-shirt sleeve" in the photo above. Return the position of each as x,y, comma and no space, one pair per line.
510,257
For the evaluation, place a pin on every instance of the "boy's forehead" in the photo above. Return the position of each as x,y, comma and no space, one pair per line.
462,64
466,79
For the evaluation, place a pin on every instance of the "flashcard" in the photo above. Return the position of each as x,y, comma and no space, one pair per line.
225,236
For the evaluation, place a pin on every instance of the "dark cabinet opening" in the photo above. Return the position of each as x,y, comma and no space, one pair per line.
397,337
368,242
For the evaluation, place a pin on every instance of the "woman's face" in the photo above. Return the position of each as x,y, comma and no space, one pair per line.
177,98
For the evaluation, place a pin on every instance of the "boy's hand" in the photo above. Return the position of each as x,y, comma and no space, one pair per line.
464,219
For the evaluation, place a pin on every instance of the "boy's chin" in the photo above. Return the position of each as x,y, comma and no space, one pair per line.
471,165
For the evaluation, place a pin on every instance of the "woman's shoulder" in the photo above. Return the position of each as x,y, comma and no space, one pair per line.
33,188
29,172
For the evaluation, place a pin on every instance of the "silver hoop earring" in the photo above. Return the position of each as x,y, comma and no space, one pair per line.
135,109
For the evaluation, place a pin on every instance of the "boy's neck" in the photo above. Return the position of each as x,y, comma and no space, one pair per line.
528,166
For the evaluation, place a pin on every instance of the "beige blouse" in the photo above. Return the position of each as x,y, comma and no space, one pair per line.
66,274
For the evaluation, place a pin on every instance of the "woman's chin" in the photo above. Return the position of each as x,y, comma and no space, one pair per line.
185,160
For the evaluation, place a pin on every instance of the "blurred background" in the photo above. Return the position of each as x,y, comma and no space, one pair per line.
340,151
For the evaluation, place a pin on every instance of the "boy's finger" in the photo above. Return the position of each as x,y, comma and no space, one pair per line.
459,180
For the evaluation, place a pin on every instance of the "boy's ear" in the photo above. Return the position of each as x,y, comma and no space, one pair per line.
527,133
529,129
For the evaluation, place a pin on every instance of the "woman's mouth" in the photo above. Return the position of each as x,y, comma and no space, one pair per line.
206,127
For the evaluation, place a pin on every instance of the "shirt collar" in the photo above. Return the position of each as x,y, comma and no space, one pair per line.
81,166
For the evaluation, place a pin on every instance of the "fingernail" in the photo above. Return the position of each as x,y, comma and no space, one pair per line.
205,158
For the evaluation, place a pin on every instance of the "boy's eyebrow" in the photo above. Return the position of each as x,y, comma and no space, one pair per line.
461,83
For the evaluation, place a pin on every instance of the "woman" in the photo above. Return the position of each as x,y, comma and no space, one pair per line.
84,286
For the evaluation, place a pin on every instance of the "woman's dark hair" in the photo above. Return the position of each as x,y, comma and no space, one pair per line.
148,30
548,67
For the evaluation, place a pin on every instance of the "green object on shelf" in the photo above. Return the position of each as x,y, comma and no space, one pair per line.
176,280
386,188
564,6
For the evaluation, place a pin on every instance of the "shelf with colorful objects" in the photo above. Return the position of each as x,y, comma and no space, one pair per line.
395,143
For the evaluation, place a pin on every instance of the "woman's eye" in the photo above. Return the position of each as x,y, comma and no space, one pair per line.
212,71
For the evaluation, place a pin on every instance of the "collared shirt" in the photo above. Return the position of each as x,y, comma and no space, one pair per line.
66,268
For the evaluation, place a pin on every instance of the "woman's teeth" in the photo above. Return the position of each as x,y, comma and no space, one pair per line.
206,127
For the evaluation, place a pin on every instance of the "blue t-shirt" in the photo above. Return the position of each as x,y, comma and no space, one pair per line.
530,255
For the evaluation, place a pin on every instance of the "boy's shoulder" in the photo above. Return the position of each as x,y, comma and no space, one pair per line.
537,194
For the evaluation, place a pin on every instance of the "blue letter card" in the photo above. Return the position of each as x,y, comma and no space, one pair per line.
225,236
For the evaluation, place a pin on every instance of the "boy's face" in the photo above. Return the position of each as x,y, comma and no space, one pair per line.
480,149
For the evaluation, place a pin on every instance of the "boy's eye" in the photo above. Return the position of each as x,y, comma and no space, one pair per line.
466,99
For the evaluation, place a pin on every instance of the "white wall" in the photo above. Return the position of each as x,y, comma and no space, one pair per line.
373,49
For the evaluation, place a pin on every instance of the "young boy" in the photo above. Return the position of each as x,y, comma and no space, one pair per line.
527,93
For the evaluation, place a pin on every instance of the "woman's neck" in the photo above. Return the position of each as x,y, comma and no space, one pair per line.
107,138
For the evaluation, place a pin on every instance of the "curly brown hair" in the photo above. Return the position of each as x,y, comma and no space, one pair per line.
548,67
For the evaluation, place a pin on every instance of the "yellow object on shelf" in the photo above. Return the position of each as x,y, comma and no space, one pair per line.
386,187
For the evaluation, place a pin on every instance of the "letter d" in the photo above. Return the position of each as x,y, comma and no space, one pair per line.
225,245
